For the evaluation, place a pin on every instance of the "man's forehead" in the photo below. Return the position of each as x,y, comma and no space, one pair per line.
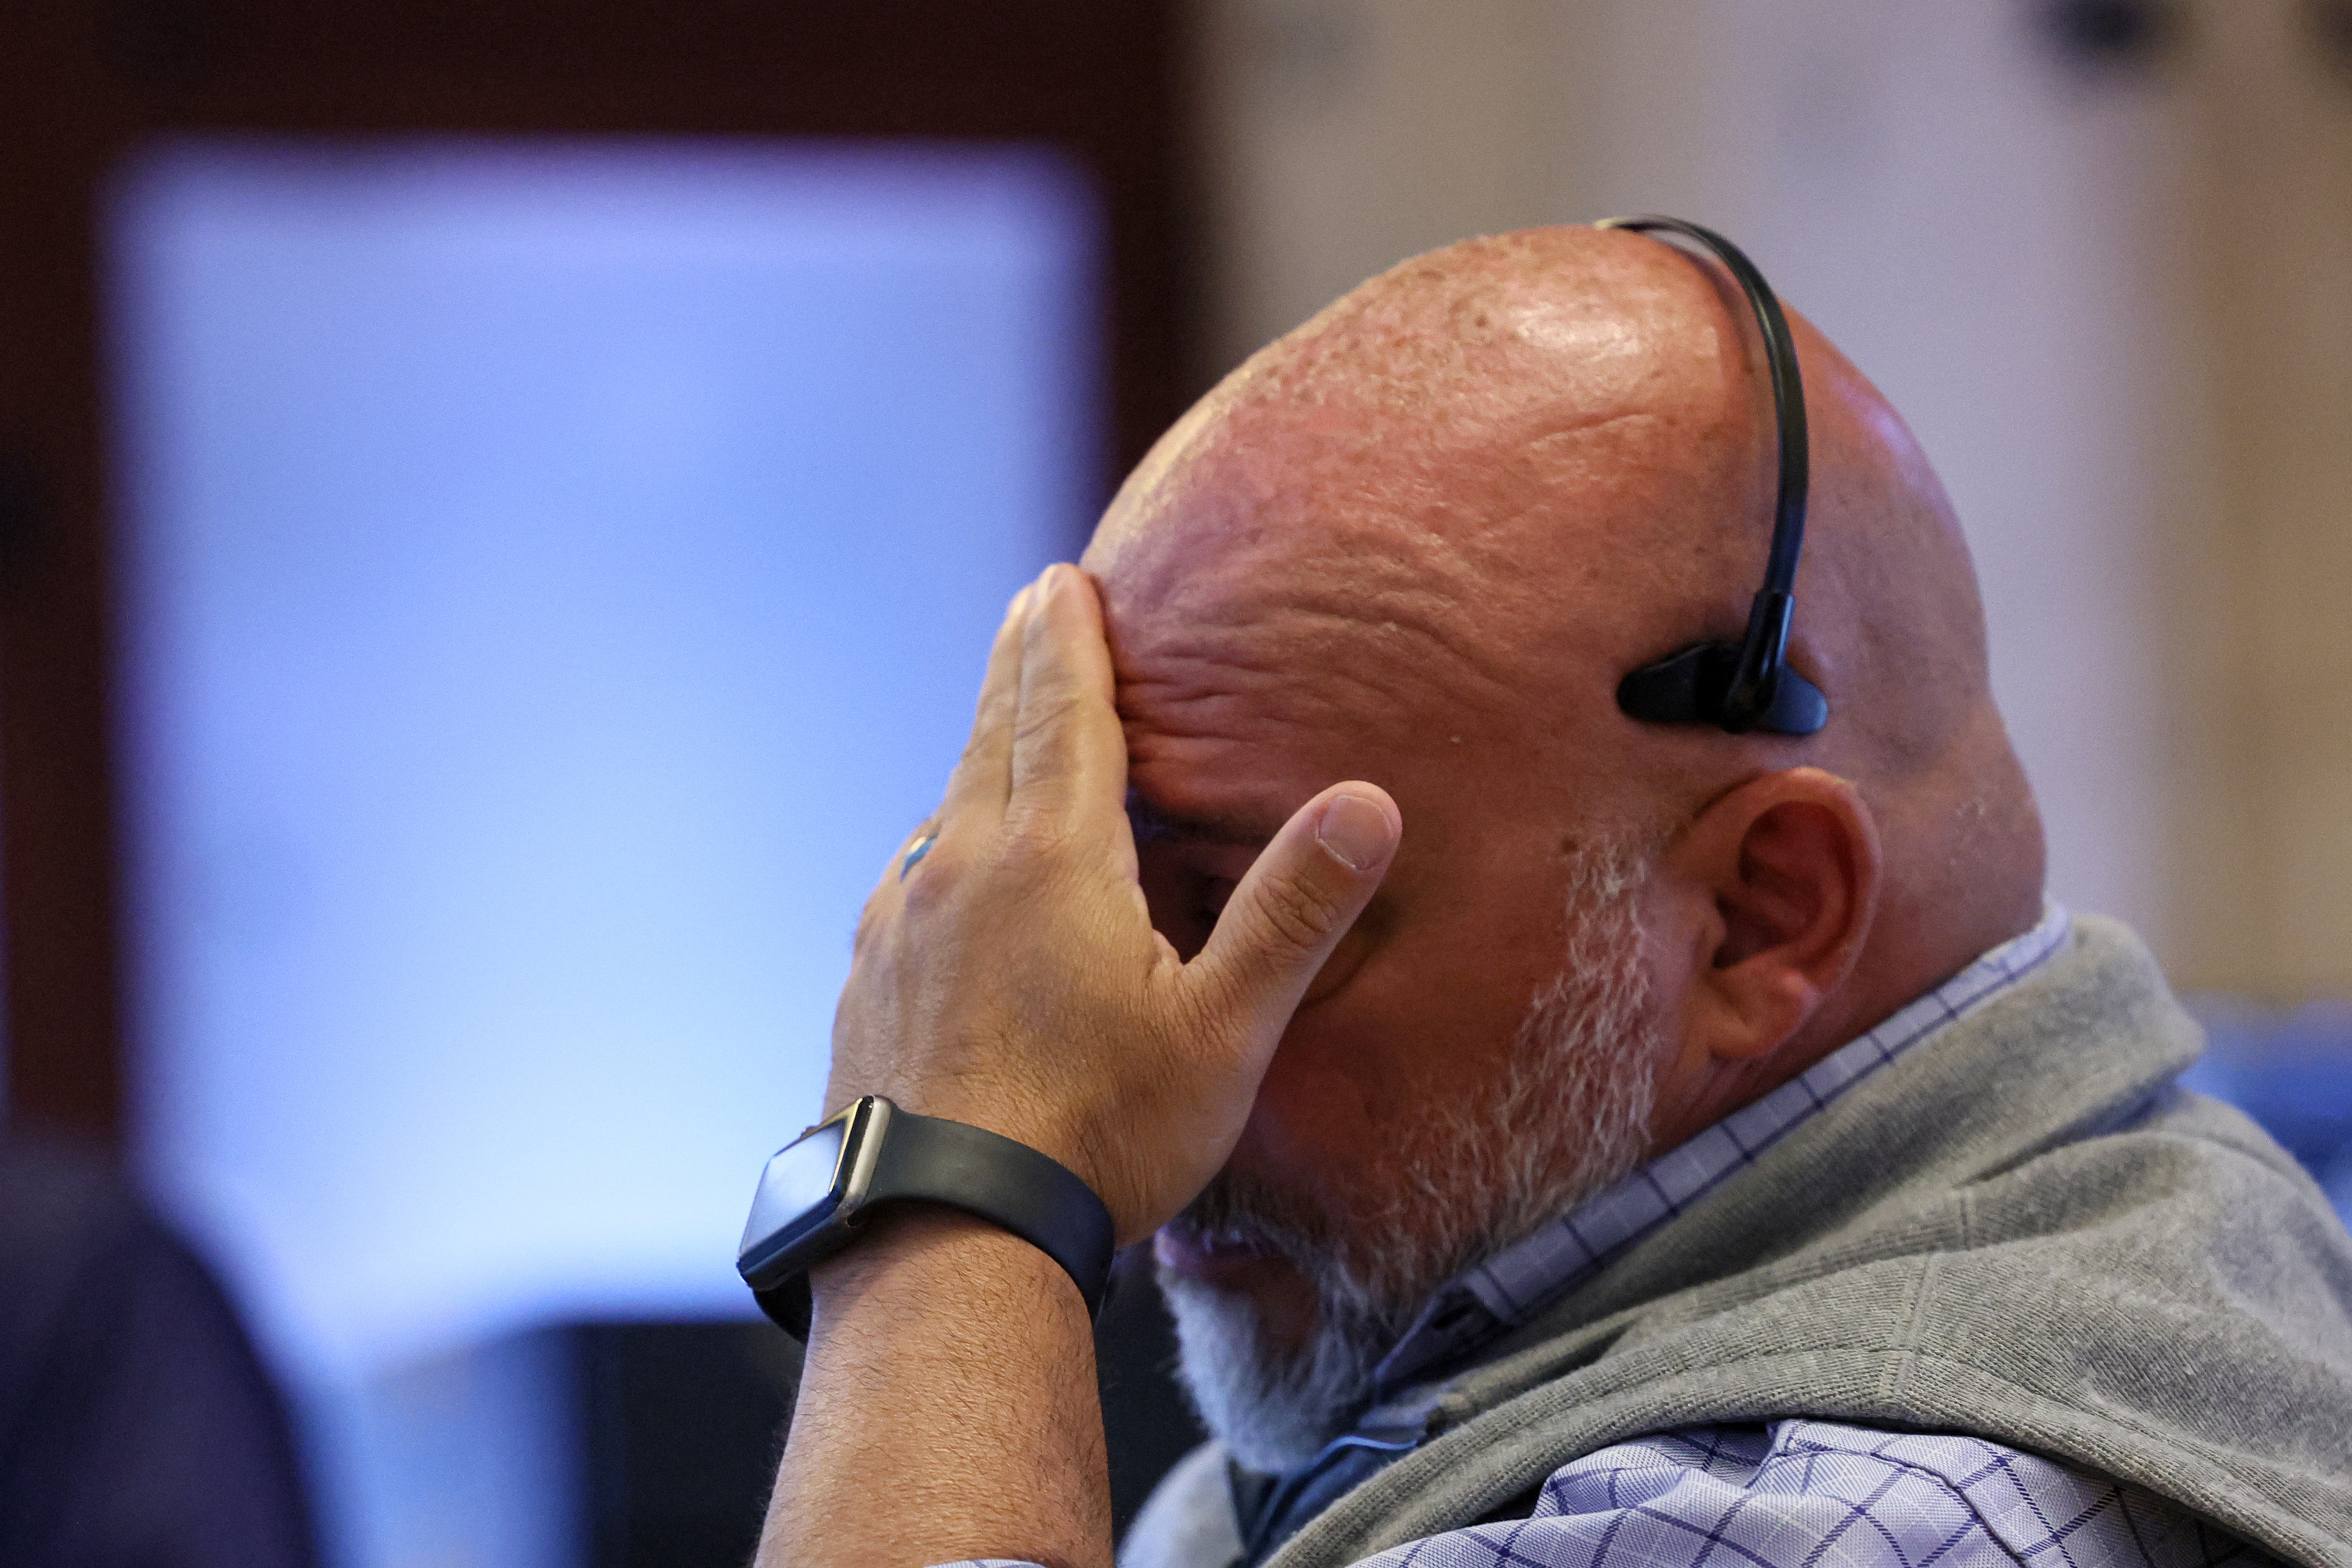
1331,574
1217,765
1468,571
1331,651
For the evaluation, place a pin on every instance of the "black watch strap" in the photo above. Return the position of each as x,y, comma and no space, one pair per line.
930,1159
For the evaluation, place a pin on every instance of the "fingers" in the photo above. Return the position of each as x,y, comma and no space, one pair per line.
983,776
1299,898
1069,756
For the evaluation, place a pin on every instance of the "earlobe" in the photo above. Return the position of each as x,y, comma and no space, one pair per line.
1791,860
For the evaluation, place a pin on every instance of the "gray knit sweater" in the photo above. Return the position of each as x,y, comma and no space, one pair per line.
2021,1230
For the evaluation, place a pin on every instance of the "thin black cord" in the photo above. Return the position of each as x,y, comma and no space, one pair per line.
1758,690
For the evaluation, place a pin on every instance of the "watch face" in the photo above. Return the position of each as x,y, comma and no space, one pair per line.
798,1193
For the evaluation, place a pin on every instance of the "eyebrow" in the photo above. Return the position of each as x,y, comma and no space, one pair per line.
1150,824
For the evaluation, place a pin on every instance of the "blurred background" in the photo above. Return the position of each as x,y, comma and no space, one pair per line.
501,505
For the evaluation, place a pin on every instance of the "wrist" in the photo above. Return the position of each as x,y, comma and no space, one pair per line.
819,1195
924,1256
947,1407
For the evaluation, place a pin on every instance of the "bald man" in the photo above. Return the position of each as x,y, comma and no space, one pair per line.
1565,1139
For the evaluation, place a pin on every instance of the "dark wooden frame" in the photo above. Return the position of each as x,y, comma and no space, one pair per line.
82,83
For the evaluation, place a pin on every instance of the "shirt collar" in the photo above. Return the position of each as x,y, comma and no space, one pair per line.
1516,1283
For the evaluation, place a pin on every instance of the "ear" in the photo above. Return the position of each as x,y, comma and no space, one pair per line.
1783,875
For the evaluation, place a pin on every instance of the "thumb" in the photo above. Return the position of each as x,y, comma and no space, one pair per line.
1300,896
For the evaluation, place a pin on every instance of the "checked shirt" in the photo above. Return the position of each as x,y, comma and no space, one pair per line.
1793,1493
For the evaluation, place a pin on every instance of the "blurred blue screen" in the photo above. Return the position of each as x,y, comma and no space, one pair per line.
558,577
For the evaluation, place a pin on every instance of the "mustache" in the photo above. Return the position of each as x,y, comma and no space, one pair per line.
1354,1294
1243,1211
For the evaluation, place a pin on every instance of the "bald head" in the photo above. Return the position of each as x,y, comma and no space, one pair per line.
1458,506
1420,541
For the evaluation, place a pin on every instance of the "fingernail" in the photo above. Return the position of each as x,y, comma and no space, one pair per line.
1356,832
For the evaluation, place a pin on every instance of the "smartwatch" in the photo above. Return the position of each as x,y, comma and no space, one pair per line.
815,1191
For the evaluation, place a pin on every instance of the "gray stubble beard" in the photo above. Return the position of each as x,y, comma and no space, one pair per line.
1571,1119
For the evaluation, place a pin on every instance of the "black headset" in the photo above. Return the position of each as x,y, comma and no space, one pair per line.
1747,686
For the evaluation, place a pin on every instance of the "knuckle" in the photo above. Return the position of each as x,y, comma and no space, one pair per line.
1044,717
977,748
1297,911
933,882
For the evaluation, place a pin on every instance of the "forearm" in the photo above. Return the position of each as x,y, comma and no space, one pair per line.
948,1408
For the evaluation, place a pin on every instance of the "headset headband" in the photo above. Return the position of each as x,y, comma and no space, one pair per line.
1747,685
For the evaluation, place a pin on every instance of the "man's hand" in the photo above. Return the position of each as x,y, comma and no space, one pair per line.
1011,978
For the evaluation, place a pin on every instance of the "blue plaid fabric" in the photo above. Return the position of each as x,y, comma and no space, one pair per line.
1793,1493
1816,1494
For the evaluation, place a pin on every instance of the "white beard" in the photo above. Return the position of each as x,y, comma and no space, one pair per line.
1570,1118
